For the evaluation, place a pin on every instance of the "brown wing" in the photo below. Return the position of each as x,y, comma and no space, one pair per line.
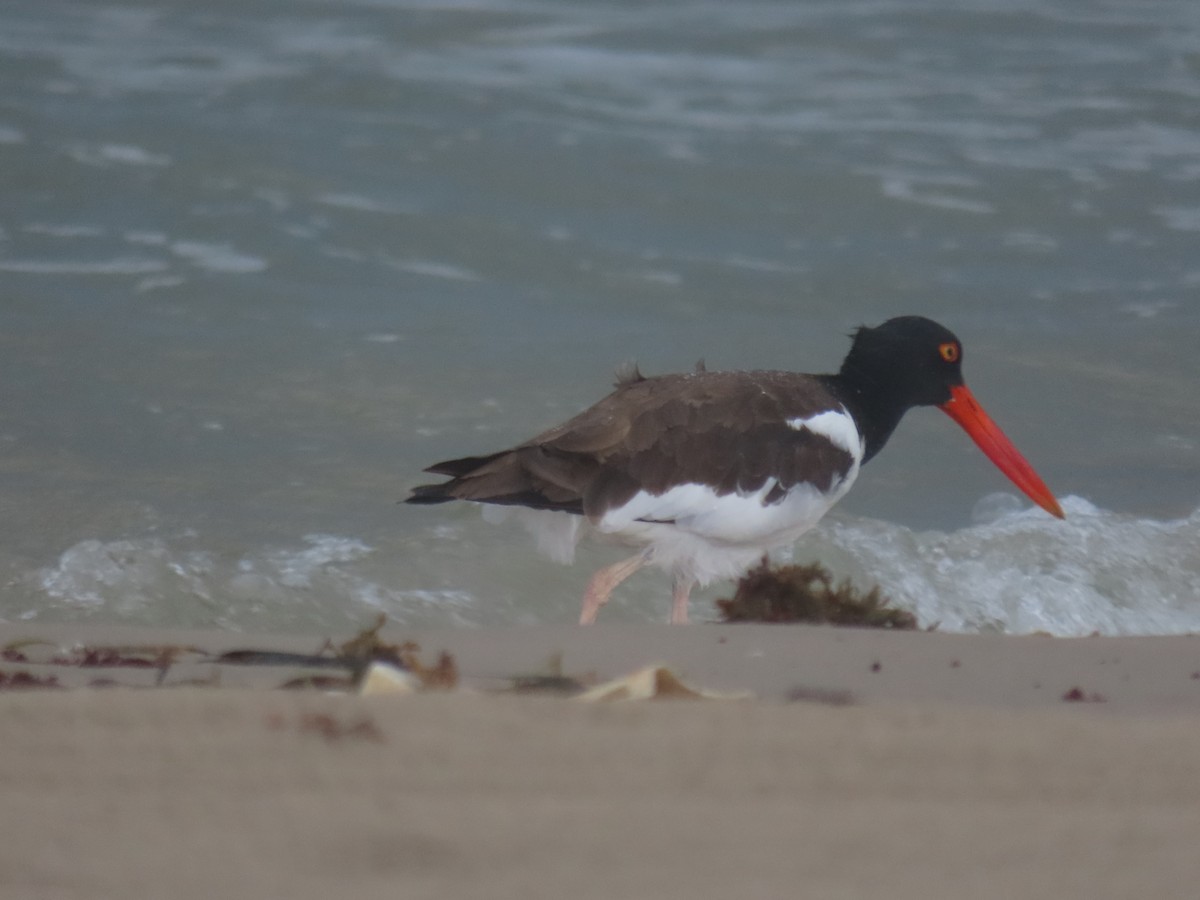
728,429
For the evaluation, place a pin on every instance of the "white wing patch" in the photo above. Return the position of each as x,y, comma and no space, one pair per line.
837,427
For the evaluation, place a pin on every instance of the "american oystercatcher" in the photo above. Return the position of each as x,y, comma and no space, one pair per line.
709,471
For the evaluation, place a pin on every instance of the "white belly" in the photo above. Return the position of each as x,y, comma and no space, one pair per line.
711,536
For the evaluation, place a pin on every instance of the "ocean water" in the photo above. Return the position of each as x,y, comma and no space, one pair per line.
261,262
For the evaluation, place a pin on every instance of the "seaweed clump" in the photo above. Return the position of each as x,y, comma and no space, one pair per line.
809,594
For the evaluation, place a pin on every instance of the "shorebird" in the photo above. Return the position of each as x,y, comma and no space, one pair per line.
709,471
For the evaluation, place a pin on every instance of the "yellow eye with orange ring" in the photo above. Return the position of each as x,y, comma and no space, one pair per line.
948,351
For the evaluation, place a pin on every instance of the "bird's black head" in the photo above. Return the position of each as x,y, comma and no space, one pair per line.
905,362
910,360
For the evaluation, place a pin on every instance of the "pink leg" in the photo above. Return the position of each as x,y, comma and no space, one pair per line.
601,585
679,600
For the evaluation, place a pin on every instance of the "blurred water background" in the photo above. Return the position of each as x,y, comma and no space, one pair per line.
262,261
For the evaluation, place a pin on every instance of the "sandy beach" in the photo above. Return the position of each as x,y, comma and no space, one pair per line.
868,764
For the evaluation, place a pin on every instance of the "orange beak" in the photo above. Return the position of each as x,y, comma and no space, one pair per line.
964,409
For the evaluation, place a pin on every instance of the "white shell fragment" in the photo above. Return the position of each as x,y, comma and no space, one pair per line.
382,678
652,683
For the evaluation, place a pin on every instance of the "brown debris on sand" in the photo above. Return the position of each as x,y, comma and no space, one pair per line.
334,667
1079,695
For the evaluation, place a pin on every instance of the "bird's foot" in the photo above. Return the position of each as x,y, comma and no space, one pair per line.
600,586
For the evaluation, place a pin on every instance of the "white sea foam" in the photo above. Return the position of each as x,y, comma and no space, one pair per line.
432,269
146,238
156,581
1022,571
218,257
123,577
359,203
63,230
117,154
1180,218
905,187
121,265
1017,571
